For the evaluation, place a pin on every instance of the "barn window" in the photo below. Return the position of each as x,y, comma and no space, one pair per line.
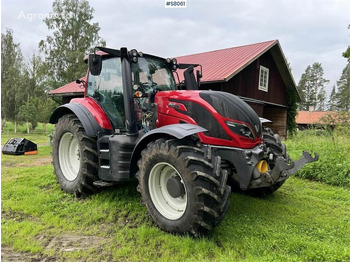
264,79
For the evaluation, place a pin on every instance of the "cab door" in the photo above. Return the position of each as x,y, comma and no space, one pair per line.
107,90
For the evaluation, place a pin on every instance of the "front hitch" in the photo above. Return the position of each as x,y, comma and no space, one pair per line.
283,170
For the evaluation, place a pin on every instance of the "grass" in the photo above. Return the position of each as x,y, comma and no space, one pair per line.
303,221
333,166
37,136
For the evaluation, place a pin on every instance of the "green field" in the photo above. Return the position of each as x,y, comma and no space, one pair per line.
37,136
303,221
333,166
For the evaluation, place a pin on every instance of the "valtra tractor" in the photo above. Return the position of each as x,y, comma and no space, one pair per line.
185,147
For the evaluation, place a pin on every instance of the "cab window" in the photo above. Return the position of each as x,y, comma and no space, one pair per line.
107,90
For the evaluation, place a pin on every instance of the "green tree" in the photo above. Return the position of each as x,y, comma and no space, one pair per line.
321,99
28,112
13,78
45,106
305,90
346,54
73,36
37,109
36,70
332,102
343,94
311,88
34,91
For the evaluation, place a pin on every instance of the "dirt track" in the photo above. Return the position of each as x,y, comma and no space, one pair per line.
60,244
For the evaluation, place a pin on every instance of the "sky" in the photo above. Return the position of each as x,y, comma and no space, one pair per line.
309,31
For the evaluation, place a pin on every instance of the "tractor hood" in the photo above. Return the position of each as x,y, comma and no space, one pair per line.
231,106
229,120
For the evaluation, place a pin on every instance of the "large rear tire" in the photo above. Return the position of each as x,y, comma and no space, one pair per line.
74,157
182,186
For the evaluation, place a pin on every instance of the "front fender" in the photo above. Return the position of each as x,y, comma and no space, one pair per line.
178,131
91,126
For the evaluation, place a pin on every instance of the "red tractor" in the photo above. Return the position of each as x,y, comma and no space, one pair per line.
183,146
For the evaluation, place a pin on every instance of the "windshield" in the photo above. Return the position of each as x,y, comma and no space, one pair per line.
152,73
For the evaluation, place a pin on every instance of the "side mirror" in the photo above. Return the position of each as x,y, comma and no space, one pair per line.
95,64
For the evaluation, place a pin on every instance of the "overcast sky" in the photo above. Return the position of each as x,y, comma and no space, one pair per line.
308,30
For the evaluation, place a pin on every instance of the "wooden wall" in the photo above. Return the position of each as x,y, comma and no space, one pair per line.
278,116
246,82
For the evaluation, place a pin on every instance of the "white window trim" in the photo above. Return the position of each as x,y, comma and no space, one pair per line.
261,87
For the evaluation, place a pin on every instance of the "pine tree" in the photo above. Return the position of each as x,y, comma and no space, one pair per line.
321,99
305,90
343,94
73,36
332,102
311,88
346,54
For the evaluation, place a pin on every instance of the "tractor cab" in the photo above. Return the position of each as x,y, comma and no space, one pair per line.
114,84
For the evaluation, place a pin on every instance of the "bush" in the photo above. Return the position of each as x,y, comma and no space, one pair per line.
333,147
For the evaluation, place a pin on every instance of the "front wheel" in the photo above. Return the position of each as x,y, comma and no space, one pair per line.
182,187
74,157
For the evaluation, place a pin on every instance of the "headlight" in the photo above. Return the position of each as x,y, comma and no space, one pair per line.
134,55
240,129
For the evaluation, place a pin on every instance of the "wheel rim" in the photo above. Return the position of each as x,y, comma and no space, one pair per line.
69,156
170,207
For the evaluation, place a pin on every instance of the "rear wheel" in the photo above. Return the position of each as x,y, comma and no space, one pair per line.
182,186
74,157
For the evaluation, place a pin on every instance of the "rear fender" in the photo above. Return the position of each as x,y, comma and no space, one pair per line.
178,131
92,118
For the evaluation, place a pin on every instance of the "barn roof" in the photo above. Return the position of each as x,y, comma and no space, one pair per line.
69,89
315,117
222,65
